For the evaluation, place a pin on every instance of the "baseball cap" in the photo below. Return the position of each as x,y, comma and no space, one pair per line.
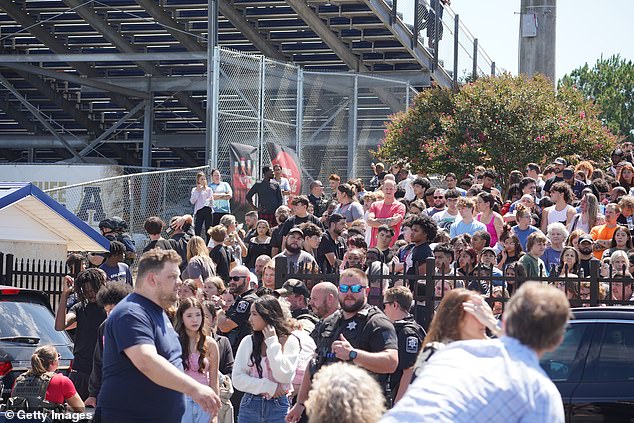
560,161
586,238
295,230
293,286
488,250
335,217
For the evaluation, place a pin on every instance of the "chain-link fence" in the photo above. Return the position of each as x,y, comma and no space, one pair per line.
132,197
330,120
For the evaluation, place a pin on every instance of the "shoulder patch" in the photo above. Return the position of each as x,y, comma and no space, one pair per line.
242,306
411,345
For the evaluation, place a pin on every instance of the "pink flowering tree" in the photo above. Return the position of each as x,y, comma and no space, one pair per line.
500,122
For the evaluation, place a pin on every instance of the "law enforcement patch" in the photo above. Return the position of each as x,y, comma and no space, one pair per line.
242,306
411,345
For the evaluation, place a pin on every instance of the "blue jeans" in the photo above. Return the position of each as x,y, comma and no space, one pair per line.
193,413
257,409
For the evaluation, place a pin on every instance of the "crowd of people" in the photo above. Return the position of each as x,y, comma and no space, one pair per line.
202,333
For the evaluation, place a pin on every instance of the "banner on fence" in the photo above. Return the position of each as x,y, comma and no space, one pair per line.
291,169
244,165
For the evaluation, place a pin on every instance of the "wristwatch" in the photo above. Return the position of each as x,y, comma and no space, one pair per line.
352,355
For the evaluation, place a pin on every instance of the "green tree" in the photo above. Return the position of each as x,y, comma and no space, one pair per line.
501,122
610,84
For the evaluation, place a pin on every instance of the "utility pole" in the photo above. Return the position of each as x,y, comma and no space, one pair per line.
538,23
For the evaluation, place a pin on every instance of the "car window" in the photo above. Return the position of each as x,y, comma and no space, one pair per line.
616,356
558,364
29,319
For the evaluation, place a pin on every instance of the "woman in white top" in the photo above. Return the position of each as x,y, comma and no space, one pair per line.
202,198
589,215
562,212
222,196
265,364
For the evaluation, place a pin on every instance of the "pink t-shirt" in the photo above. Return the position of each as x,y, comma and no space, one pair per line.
381,211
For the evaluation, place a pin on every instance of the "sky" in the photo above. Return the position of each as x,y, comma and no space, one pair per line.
585,30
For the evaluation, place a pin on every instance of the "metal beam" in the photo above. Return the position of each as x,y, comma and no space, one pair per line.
402,34
185,156
114,37
333,41
176,30
238,20
102,138
18,116
106,57
148,124
36,113
66,76
58,46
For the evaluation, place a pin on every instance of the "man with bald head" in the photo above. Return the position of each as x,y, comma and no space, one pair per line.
235,323
324,299
388,212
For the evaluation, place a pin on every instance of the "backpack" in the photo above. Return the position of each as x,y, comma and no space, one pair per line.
29,393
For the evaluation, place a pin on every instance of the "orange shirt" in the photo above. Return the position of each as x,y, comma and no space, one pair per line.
602,232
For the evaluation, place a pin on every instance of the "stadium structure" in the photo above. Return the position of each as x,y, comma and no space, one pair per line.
127,81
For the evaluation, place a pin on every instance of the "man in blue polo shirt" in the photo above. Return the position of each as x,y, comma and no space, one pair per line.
143,378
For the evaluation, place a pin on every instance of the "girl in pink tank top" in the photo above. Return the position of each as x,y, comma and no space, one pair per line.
200,354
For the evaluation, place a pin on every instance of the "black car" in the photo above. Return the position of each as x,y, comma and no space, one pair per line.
593,368
27,322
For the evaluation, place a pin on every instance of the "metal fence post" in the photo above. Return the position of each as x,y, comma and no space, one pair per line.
281,271
474,74
261,116
456,45
352,128
299,119
407,88
215,117
594,283
8,274
430,270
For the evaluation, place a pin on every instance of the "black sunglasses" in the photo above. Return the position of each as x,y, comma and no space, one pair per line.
236,278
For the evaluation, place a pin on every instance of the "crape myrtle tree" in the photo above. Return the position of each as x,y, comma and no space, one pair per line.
500,122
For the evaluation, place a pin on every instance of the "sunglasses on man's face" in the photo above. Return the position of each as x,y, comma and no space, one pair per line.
236,278
355,289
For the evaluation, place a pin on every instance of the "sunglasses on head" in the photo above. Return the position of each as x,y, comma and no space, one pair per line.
236,278
355,289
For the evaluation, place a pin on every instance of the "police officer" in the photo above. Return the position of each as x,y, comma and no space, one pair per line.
358,333
397,302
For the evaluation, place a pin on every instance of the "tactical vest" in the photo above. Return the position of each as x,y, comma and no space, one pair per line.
29,393
330,333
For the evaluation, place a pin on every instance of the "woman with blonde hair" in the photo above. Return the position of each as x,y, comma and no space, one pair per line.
199,265
59,389
589,215
344,393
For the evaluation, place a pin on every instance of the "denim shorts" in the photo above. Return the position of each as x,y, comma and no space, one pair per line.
194,413
257,409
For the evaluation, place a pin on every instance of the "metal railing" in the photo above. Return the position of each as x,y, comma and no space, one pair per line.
430,287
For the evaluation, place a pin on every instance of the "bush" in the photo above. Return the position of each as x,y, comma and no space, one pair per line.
500,122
